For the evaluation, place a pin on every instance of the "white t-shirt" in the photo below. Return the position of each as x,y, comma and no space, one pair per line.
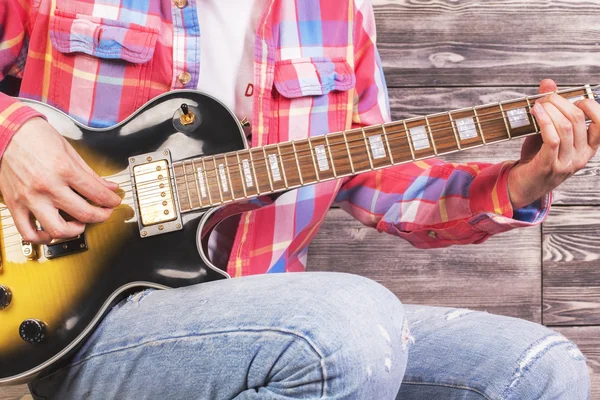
227,32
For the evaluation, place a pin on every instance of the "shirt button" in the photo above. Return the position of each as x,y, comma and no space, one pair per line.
432,234
180,3
184,78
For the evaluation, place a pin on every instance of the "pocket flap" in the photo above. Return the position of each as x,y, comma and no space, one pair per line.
313,76
101,37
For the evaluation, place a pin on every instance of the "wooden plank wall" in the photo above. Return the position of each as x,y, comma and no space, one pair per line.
444,54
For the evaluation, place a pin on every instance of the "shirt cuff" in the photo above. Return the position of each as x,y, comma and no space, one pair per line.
13,115
491,206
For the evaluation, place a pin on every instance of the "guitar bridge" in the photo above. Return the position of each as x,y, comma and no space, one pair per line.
154,194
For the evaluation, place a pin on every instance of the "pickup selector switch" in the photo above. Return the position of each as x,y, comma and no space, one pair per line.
5,297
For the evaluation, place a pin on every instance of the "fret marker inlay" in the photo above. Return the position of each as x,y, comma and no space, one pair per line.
322,158
223,177
576,98
466,128
274,167
377,148
247,173
517,118
419,138
201,182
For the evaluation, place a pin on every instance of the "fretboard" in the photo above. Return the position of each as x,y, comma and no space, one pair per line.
220,179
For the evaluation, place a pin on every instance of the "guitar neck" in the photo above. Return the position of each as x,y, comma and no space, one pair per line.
216,180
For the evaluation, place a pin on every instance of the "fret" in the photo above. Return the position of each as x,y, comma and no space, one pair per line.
276,168
454,130
308,169
232,166
530,107
467,129
187,188
505,118
242,180
520,121
188,170
209,187
431,136
367,147
387,143
340,153
589,92
322,156
290,166
442,133
200,187
412,150
253,168
328,147
282,167
399,142
358,150
490,119
218,178
231,186
297,163
479,125
419,138
268,168
184,203
379,155
312,154
349,154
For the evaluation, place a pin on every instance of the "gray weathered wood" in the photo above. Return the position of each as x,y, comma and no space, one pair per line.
571,246
497,42
457,276
588,340
14,393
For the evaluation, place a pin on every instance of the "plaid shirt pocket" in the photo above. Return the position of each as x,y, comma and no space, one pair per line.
312,95
107,62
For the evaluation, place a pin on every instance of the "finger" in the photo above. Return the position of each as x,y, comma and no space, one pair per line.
563,127
592,109
81,162
26,227
55,225
91,188
575,115
548,153
547,86
80,209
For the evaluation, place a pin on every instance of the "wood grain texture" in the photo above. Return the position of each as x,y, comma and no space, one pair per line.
454,277
14,393
571,248
588,340
581,189
480,43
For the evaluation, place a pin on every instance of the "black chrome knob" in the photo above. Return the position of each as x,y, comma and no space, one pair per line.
185,109
32,331
5,297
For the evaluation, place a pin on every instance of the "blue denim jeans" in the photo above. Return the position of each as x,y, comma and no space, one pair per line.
312,336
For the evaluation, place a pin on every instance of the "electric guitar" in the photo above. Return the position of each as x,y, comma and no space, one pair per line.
178,159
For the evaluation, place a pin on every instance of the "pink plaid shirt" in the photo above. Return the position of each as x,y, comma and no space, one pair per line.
317,70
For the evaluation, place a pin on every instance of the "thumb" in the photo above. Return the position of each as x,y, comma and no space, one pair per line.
547,86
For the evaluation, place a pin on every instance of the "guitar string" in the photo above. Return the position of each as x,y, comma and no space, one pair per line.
400,135
152,192
344,150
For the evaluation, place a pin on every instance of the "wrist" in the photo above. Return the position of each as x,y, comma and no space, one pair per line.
522,191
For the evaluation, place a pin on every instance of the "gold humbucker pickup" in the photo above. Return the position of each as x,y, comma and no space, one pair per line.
154,192
155,197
